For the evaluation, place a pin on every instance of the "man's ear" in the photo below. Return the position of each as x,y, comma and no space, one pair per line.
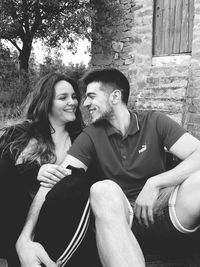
115,96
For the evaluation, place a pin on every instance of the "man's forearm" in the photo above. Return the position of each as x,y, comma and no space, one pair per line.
178,174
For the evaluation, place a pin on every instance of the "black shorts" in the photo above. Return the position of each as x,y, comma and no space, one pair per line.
64,226
166,231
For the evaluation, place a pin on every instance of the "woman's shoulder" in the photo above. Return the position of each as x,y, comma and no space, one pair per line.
12,138
13,130
27,151
8,133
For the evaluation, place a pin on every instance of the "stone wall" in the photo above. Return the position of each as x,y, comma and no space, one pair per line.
168,84
192,118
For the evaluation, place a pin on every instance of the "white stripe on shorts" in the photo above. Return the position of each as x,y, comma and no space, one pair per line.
172,213
77,238
81,231
131,214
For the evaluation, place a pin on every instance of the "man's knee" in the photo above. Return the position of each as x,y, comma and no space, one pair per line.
188,201
105,198
191,186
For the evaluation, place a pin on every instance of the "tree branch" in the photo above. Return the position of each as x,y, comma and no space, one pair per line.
38,18
14,43
25,16
21,32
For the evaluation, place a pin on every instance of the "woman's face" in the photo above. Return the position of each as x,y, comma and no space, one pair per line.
64,104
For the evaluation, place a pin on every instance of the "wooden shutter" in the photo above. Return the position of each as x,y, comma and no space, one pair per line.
172,26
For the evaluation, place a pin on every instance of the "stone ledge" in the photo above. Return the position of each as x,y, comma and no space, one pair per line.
182,59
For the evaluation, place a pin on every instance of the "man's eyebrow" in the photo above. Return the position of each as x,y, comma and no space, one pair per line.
90,93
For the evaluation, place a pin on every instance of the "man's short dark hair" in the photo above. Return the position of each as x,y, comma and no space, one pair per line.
110,76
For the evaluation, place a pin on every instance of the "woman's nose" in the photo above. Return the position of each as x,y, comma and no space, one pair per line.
71,101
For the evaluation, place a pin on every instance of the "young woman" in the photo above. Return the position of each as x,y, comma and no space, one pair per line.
33,149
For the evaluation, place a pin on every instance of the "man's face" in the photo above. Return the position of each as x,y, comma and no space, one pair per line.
97,102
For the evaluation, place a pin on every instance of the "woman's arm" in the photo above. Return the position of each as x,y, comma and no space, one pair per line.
32,253
28,230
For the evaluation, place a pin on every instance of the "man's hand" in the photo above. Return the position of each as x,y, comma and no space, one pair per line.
145,202
50,174
32,254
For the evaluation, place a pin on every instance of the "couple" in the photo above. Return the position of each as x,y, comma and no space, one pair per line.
134,197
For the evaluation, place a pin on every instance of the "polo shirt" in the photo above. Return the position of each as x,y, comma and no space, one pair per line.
131,159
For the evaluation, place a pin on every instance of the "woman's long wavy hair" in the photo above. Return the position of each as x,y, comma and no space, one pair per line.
37,124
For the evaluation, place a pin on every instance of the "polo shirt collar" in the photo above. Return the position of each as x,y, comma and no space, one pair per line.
133,127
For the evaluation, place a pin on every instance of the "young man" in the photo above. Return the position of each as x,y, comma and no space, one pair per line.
128,150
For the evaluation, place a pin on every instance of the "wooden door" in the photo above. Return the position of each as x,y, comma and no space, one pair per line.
172,26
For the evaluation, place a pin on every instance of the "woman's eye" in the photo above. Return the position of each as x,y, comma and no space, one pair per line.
62,97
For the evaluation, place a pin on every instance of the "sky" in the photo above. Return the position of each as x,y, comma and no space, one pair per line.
81,56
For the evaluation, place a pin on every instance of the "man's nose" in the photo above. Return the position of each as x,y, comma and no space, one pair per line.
86,102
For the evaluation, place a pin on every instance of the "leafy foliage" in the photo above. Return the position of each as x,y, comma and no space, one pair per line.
9,81
50,64
53,21
13,94
107,14
50,20
8,64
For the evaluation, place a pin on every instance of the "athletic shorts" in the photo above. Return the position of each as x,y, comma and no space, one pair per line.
166,224
64,218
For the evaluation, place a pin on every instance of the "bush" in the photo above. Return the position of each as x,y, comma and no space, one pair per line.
15,87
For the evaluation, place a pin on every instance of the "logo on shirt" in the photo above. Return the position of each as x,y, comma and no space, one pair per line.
142,149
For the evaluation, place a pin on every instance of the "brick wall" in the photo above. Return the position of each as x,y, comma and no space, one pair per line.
192,118
168,84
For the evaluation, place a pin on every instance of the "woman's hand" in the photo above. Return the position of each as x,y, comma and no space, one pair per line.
32,254
50,174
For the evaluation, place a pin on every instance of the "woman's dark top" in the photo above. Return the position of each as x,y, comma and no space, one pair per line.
26,172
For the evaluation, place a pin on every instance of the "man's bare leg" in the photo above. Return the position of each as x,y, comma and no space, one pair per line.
188,202
117,246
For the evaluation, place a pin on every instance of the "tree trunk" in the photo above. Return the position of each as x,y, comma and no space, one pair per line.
23,71
24,56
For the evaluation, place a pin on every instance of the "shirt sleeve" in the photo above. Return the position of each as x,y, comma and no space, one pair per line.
82,149
168,130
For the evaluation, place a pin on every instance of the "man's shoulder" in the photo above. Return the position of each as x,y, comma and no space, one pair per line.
154,119
149,115
91,134
94,128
